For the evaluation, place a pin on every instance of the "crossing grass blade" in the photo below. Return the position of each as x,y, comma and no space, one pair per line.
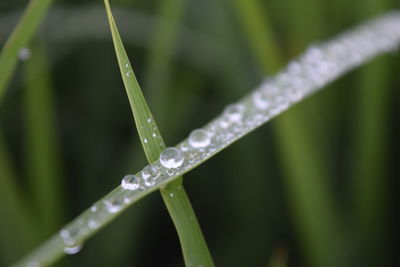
194,248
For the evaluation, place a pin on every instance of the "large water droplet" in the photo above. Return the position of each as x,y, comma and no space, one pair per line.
171,158
130,182
72,250
234,112
199,138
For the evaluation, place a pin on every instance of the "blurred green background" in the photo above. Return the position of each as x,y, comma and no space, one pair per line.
317,186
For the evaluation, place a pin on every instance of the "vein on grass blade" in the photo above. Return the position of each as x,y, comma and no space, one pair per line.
318,66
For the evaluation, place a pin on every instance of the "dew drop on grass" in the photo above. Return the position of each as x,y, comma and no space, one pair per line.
234,112
113,205
171,158
199,138
150,171
150,174
72,250
24,54
67,237
130,182
260,101
145,140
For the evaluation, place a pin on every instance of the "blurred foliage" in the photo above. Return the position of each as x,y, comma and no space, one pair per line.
67,137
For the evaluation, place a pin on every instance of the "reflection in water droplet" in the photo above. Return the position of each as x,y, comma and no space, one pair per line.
171,158
72,250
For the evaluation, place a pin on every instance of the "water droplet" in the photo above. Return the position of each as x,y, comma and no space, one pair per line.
260,100
199,138
150,171
234,112
184,147
154,135
171,158
72,250
93,224
149,120
93,209
67,237
113,205
24,54
145,140
127,65
170,172
130,182
171,194
128,73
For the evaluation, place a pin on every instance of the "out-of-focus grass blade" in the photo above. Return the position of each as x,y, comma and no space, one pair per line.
371,148
18,231
159,63
194,248
42,152
309,195
255,22
19,38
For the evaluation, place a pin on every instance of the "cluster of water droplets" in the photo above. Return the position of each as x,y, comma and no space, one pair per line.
319,65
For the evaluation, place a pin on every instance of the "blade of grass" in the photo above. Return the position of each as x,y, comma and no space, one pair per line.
371,146
159,63
194,248
109,207
314,212
42,153
19,38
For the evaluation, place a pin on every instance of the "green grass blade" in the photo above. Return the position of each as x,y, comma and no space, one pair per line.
195,251
247,116
159,63
371,146
19,38
42,152
259,34
18,230
305,166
